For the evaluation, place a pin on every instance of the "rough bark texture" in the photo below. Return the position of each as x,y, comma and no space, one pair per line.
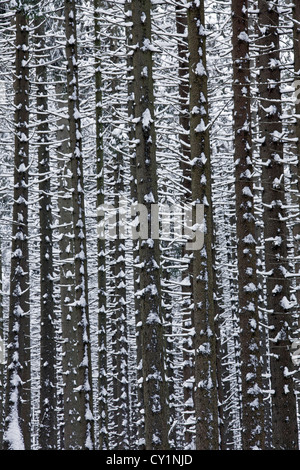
18,399
296,168
284,423
48,418
102,301
149,256
2,357
85,435
252,398
66,261
206,406
187,318
119,315
139,421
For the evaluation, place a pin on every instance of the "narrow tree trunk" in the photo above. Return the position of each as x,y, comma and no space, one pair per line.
18,396
135,250
156,434
102,342
119,316
284,422
85,432
66,265
206,405
48,418
2,357
252,398
296,170
187,320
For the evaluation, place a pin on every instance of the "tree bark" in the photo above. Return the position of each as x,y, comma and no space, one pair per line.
252,397
156,433
48,402
284,422
2,357
101,250
184,136
18,395
206,405
84,437
296,169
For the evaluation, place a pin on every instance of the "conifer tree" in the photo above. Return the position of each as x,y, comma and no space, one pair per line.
154,385
83,435
48,418
252,397
18,393
284,422
206,406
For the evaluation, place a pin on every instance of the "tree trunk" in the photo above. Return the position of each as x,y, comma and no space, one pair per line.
84,437
187,320
140,425
48,418
252,398
66,264
206,404
18,396
284,422
102,329
119,316
156,433
2,357
296,169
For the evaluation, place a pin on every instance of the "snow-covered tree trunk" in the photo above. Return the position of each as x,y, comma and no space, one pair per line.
66,259
252,397
2,357
101,258
135,248
18,394
206,406
296,175
118,263
48,417
184,136
156,433
84,436
284,422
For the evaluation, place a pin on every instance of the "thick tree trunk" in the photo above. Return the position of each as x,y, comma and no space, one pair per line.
206,404
252,397
101,258
118,252
284,422
187,319
296,168
48,418
2,357
156,433
140,425
66,264
84,437
18,396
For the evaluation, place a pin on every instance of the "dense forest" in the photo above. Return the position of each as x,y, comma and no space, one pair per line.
149,236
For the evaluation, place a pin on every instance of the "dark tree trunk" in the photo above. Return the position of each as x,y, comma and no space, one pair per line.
206,404
156,433
18,396
284,422
48,418
85,422
252,397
